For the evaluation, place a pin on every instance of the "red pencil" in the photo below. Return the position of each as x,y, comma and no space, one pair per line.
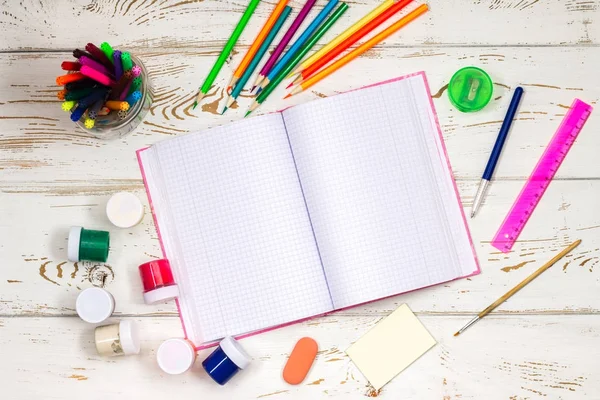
356,36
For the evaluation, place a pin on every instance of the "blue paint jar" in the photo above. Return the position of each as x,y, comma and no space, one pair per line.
227,359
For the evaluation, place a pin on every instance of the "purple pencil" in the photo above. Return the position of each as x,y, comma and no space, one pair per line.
284,42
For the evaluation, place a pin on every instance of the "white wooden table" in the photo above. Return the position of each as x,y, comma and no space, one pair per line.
543,343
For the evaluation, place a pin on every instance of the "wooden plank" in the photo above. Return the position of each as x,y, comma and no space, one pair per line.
49,24
36,278
39,141
54,358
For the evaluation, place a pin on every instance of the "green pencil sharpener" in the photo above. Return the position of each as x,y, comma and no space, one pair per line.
470,89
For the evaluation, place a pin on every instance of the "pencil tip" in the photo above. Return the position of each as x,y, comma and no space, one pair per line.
288,95
472,214
290,85
224,109
247,113
457,333
194,106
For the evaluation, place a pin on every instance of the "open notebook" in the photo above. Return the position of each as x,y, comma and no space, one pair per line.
323,206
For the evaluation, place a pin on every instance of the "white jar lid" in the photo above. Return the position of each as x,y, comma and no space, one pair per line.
235,352
73,244
130,337
95,305
164,293
175,356
124,210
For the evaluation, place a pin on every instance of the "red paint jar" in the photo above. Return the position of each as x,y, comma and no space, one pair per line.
158,281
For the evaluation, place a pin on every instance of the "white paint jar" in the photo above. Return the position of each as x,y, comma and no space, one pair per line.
120,339
95,305
176,356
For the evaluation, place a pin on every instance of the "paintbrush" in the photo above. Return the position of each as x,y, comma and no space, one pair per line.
519,286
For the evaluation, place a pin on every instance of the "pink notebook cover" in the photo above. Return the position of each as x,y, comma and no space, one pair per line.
439,130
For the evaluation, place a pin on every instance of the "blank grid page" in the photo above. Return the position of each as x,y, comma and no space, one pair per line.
372,193
247,255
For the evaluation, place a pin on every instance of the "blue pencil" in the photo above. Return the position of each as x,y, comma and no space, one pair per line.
314,25
495,155
257,57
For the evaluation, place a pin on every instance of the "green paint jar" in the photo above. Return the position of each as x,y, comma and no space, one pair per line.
87,244
470,89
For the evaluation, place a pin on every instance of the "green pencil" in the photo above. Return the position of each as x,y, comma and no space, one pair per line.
226,51
298,57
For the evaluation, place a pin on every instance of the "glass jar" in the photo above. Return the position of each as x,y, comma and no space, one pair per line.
111,126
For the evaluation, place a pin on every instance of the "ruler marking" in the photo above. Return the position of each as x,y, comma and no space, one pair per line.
544,172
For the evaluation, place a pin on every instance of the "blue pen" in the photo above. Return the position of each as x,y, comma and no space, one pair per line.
491,165
314,25
257,57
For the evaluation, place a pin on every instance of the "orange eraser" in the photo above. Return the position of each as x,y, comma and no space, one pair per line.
300,361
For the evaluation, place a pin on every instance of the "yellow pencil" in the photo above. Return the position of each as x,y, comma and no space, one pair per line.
380,37
343,36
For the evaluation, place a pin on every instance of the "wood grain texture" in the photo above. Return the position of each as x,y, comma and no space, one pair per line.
36,258
36,131
541,344
198,24
531,357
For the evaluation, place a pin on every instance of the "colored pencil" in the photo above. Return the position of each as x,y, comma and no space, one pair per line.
355,37
314,25
520,286
298,57
258,41
360,50
259,55
212,75
284,41
343,36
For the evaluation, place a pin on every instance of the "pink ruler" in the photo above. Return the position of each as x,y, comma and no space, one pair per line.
542,175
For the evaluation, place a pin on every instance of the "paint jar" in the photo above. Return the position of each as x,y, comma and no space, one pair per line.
86,244
124,210
226,360
158,281
95,305
120,339
118,124
176,356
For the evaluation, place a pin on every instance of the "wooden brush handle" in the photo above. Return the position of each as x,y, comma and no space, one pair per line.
529,279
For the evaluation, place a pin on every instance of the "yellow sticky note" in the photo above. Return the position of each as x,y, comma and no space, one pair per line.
390,346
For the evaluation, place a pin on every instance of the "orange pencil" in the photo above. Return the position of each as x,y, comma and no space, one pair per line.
260,38
355,37
360,50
